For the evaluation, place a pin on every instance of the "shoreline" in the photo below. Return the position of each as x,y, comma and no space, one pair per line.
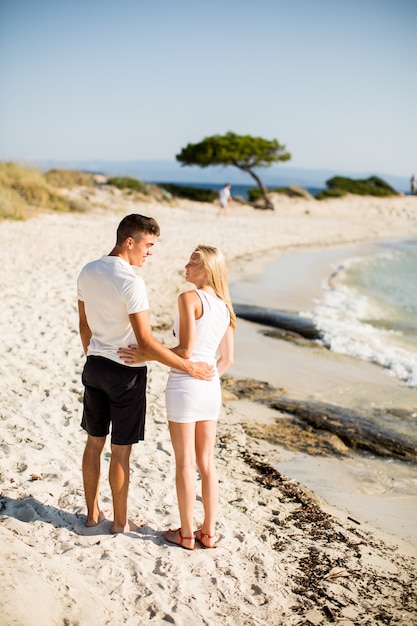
282,553
308,372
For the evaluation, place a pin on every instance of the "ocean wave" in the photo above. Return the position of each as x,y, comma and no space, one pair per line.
350,323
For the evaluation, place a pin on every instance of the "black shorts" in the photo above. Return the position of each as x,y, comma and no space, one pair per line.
114,393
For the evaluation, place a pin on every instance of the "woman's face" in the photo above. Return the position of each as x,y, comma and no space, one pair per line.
194,270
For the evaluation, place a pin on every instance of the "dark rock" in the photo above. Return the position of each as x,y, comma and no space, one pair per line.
320,428
278,319
354,429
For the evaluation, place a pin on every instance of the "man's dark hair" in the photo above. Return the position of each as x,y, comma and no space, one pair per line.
135,226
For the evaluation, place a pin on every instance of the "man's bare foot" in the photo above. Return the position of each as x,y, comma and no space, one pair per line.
129,526
94,522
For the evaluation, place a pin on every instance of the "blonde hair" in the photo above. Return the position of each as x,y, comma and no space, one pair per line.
215,265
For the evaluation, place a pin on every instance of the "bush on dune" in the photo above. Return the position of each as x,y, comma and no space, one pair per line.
127,182
12,205
254,193
190,193
69,178
340,186
330,193
337,187
25,191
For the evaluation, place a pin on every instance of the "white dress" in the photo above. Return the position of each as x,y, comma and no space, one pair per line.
189,399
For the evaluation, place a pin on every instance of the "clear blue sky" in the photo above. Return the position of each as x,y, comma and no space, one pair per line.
333,80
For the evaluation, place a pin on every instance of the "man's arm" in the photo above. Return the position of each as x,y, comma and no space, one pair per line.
154,350
85,331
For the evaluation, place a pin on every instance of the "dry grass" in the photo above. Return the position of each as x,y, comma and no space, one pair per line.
25,191
69,178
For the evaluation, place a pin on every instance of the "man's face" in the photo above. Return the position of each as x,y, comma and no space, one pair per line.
140,249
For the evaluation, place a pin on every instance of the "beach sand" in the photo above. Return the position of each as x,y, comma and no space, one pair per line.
285,555
380,492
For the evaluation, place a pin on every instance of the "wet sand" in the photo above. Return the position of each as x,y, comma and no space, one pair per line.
377,491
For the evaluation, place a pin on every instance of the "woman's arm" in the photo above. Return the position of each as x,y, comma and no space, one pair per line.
190,308
226,349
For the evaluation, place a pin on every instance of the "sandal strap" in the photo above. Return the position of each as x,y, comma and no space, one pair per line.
181,536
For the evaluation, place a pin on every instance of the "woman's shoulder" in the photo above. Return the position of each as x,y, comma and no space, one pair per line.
210,293
190,293
189,296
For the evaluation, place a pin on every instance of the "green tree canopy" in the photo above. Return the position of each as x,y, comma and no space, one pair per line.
242,151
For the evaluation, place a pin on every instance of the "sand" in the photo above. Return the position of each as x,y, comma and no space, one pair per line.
285,555
381,492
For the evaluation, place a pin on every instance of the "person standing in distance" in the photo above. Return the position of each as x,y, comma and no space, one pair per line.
224,197
413,185
113,312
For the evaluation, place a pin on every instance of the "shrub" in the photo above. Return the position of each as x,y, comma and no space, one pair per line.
330,193
254,193
126,182
69,178
12,206
31,186
25,191
191,193
372,186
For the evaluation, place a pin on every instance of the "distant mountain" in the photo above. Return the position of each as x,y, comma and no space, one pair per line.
170,171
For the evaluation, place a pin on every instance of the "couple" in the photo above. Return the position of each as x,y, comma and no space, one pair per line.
117,338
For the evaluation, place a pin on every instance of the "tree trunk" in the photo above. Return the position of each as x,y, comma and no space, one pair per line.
263,190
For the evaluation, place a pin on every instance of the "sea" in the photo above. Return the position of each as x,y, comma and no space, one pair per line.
241,190
365,305
362,299
368,307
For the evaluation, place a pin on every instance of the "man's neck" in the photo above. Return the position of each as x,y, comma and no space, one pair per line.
120,252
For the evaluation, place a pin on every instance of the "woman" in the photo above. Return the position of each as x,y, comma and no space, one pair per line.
204,327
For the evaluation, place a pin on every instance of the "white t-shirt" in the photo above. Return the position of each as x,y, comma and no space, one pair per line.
111,291
224,195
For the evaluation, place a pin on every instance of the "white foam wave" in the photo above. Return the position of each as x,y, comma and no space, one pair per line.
344,318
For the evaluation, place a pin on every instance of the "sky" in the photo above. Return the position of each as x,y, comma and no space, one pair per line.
335,81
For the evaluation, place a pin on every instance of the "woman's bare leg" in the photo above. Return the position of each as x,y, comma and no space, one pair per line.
183,437
205,439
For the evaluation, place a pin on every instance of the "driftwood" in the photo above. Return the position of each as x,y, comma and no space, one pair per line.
354,429
371,430
278,319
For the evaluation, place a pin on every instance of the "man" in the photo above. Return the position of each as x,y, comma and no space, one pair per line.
113,313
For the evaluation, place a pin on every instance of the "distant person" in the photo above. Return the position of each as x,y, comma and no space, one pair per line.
203,326
224,197
413,183
113,312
